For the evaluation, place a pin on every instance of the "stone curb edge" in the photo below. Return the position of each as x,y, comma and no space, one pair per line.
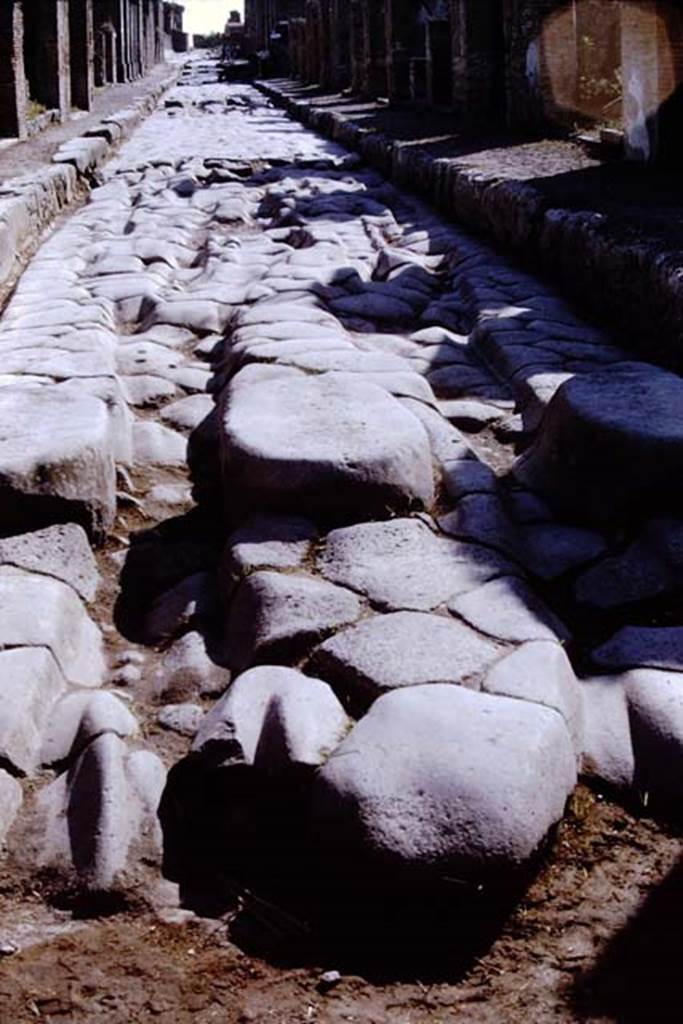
29,204
635,286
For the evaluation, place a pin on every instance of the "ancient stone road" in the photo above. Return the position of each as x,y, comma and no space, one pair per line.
432,533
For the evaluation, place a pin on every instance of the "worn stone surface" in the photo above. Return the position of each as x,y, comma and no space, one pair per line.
278,617
61,551
507,609
56,458
540,672
31,684
444,779
275,542
404,564
78,718
36,611
402,649
324,445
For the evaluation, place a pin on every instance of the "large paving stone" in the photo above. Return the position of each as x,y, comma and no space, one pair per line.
273,718
508,609
56,459
609,440
279,616
403,564
441,779
37,611
321,444
31,684
402,649
61,551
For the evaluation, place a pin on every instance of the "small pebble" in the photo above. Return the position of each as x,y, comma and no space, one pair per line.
328,980
131,657
8,949
128,675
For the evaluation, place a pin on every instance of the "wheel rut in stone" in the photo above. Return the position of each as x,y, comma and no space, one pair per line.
369,601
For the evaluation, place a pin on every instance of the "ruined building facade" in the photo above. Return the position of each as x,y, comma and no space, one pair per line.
54,53
609,65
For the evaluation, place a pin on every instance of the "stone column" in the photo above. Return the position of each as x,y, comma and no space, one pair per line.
340,43
46,52
402,31
12,80
82,50
375,46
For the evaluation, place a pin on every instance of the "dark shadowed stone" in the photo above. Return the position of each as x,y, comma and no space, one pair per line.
610,440
642,647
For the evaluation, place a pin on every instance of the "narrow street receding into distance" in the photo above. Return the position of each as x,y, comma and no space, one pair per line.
333,448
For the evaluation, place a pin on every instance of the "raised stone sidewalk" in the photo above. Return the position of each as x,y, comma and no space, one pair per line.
608,233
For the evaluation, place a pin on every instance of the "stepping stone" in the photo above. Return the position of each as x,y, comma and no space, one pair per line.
276,719
507,609
403,564
60,551
440,780
56,460
402,649
610,441
319,444
278,617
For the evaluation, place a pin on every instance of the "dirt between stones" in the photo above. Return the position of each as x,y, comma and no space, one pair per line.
594,938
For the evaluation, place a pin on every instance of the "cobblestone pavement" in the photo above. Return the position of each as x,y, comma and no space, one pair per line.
327,445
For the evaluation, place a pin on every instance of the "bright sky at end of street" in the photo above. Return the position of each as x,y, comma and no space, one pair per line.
209,15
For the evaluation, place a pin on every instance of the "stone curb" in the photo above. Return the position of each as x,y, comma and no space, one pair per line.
636,286
28,205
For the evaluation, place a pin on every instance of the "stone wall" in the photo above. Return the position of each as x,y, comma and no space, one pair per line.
54,52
